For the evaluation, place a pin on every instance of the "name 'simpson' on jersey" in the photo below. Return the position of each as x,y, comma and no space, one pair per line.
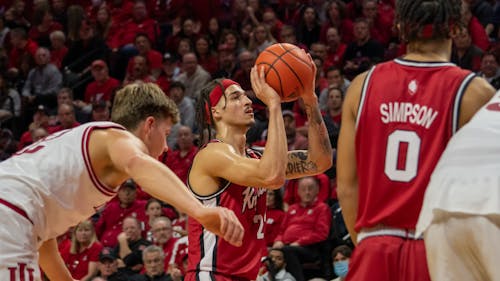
407,112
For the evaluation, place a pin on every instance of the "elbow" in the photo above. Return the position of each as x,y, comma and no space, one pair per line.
325,163
275,181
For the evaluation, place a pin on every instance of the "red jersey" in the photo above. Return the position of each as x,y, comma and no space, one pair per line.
408,111
209,253
78,264
100,91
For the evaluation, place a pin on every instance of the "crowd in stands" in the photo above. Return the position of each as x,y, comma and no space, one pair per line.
61,61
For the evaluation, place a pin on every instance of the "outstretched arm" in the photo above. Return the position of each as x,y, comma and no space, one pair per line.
347,179
318,156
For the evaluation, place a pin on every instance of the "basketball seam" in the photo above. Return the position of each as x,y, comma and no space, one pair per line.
271,66
278,57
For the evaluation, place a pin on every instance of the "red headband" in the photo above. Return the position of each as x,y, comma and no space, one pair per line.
217,93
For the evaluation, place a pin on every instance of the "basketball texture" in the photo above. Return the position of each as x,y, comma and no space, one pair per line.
287,67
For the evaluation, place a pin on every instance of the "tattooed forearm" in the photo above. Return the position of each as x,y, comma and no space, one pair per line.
314,115
317,127
298,164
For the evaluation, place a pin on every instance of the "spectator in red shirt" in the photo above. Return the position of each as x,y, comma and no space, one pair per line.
40,120
305,226
139,72
100,111
163,237
82,256
58,50
22,55
335,48
103,86
337,17
154,209
66,118
143,45
206,56
43,25
380,26
110,222
274,216
180,160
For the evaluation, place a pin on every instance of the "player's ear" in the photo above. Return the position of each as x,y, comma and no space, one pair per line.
148,124
216,113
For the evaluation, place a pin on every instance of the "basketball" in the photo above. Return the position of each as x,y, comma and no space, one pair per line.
287,68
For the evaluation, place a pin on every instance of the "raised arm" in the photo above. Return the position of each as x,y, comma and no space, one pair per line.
128,158
347,178
318,156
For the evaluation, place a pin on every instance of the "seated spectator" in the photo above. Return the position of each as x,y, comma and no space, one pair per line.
58,49
337,17
341,255
305,226
15,15
109,224
380,25
464,53
193,76
82,256
153,257
108,267
335,49
179,160
154,209
490,69
143,45
10,101
39,133
161,229
43,25
308,28
22,54
274,216
43,81
65,96
100,111
139,71
287,35
226,62
275,267
103,85
130,246
336,79
291,195
206,56
40,120
170,72
186,111
260,39
66,118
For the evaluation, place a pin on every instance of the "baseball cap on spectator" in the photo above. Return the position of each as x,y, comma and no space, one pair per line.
42,108
129,183
288,113
106,255
98,64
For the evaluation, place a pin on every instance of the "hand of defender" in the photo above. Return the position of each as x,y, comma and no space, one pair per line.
262,90
309,85
223,222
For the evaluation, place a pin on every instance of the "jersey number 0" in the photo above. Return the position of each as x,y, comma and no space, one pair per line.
402,164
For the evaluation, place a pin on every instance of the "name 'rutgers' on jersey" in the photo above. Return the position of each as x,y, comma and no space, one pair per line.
208,253
413,110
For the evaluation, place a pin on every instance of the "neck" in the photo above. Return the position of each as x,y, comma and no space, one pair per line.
439,50
236,138
335,112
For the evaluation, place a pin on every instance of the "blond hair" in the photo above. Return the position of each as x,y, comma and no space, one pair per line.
137,101
75,245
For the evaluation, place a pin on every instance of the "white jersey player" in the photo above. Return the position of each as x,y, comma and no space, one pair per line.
59,181
460,216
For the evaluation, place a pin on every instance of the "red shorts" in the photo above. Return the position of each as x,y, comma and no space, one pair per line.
211,276
388,258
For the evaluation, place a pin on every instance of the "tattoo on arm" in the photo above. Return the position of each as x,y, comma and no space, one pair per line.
298,164
316,121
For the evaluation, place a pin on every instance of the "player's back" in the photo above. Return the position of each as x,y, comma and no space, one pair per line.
408,112
210,254
52,180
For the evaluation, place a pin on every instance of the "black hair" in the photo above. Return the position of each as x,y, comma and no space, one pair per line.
177,84
427,19
206,126
345,250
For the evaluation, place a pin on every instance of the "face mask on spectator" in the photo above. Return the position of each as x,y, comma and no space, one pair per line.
340,268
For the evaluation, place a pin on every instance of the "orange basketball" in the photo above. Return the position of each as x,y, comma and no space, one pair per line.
287,67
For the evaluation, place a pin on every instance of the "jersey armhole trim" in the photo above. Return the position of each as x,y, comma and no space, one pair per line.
88,164
458,101
364,90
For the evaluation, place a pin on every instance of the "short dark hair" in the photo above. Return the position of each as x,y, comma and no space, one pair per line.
427,19
345,250
177,84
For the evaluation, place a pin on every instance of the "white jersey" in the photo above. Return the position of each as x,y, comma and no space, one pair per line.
52,180
467,177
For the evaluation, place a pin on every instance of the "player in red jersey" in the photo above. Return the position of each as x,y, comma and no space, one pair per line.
397,119
225,173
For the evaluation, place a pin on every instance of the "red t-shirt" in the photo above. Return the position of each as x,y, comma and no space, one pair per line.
100,91
78,264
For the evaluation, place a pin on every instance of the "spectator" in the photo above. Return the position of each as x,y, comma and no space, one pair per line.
295,140
103,23
66,118
58,48
206,56
274,216
143,45
246,60
177,93
180,159
82,256
380,26
336,79
130,246
464,53
103,85
363,52
276,267
43,25
335,48
38,134
110,222
100,111
65,96
59,8
153,257
227,62
308,29
260,39
274,25
318,49
170,71
305,226
163,237
138,71
337,17
108,267
10,101
194,77
341,255
40,120
154,209
22,54
490,69
15,16
476,30
288,35
43,82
